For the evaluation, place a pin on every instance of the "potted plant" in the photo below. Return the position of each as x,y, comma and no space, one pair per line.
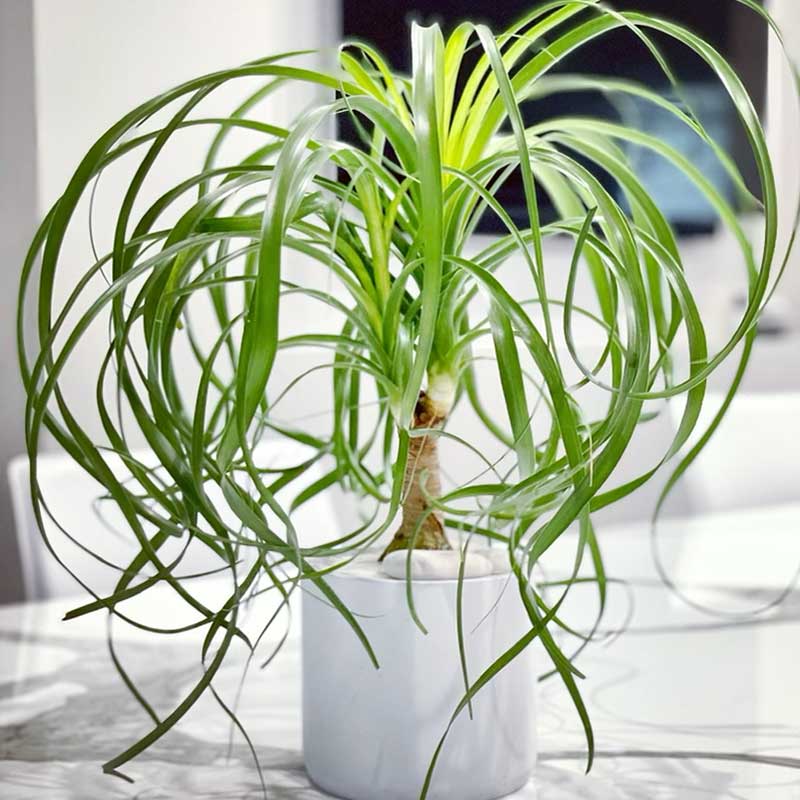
387,220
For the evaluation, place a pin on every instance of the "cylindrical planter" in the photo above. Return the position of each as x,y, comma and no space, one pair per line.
370,733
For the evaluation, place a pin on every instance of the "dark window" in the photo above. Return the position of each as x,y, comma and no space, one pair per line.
733,29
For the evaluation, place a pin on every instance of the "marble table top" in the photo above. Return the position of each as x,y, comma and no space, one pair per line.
685,703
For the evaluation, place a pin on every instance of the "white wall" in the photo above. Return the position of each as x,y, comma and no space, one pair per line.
96,60
783,124
93,60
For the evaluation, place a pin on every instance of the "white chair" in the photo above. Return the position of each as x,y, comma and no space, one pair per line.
752,459
73,498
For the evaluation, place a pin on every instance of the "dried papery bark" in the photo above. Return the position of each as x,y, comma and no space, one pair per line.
421,524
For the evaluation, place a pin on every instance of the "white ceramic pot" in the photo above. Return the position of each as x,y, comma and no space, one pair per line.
370,734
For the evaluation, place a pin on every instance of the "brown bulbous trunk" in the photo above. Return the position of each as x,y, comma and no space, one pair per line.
421,524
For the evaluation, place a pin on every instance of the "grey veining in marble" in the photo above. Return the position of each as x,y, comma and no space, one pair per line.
685,705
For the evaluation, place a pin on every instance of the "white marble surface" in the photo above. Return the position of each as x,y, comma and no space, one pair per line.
685,704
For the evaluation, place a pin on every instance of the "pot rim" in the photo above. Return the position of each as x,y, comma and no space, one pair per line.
345,575
370,557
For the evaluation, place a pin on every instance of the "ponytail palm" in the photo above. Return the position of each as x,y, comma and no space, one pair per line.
387,222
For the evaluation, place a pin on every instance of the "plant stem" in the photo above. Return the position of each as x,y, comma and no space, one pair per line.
422,526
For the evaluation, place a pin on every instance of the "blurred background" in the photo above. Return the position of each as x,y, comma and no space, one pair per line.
69,70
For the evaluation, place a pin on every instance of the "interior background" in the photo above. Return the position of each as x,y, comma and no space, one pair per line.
68,70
